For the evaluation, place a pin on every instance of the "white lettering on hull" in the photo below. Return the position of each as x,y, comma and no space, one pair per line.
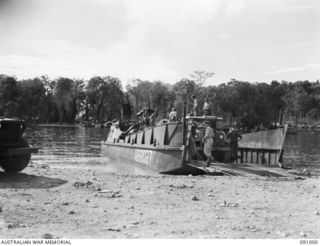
143,156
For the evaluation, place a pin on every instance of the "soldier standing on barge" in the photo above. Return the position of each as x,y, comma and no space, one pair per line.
195,106
208,142
173,115
206,107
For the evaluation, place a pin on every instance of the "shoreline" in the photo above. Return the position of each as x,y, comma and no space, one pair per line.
291,129
92,203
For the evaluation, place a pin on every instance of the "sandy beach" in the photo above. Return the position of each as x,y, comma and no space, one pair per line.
88,202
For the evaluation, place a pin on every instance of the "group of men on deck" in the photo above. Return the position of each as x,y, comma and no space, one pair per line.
206,107
147,118
195,109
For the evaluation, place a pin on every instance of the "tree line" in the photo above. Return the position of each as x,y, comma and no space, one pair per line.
100,99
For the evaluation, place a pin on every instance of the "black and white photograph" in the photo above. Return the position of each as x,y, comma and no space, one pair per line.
159,119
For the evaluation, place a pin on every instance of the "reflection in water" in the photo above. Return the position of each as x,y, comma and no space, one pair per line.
74,147
303,151
78,147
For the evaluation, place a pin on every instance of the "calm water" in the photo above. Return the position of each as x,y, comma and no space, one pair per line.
303,151
76,147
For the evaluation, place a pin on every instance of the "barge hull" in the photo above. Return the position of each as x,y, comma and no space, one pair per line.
161,160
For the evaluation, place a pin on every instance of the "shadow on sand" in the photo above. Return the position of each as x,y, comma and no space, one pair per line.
27,181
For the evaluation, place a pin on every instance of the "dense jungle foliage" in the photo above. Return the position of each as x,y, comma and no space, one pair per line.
99,99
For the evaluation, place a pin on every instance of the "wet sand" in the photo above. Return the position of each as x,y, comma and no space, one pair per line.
90,202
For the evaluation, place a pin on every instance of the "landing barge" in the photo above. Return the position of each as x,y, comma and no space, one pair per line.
160,148
176,147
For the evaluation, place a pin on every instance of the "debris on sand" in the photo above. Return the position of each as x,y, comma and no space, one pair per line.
45,166
112,194
113,229
86,185
133,224
47,236
2,225
15,225
303,234
115,194
194,198
306,172
224,204
181,186
105,191
282,233
98,188
229,204
235,205
94,206
296,178
11,226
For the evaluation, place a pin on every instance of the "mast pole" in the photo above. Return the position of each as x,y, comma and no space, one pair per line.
184,125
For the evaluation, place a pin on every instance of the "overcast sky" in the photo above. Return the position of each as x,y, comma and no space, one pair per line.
251,40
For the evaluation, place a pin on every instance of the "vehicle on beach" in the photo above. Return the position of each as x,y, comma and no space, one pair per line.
221,143
176,147
15,152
